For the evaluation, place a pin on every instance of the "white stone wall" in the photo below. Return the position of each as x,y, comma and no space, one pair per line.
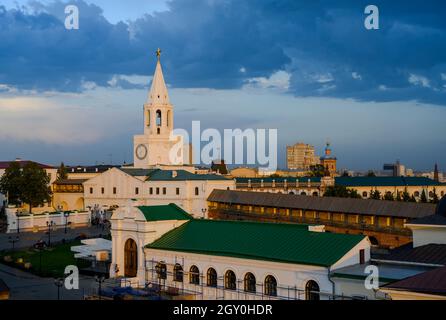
38,221
423,235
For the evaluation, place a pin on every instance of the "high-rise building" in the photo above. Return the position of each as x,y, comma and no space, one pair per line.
301,156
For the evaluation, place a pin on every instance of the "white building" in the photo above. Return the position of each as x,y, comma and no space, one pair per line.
158,145
160,173
163,248
115,187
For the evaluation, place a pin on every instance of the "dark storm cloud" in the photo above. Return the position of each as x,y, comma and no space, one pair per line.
222,43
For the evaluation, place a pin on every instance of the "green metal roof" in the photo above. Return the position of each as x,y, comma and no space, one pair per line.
135,172
289,243
385,181
164,212
167,175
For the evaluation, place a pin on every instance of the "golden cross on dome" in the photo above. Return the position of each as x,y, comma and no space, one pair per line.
158,53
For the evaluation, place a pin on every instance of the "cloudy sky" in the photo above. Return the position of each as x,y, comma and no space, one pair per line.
309,69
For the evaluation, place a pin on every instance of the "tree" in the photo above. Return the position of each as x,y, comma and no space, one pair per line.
317,170
34,186
423,197
371,174
341,192
62,172
10,183
389,196
398,196
435,197
412,199
406,195
375,194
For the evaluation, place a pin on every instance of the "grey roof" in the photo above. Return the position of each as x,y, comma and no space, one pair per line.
70,181
430,282
434,254
387,272
326,204
434,219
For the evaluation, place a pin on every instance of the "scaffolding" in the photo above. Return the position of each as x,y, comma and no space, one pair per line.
178,284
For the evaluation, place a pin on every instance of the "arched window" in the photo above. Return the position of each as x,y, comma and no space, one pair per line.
312,291
291,192
250,282
161,270
178,273
270,286
431,194
197,192
303,193
148,118
130,258
211,278
416,194
168,118
230,280
194,275
315,194
364,194
158,118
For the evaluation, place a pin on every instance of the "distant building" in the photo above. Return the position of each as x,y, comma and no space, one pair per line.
329,161
397,169
301,156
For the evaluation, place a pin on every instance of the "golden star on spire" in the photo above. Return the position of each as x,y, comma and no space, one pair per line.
158,53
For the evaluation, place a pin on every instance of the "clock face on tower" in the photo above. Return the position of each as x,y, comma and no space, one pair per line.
141,151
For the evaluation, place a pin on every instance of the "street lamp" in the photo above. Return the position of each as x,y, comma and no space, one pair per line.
58,283
13,240
66,214
99,280
204,210
40,246
49,225
18,221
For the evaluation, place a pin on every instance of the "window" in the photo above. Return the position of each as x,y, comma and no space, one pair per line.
194,275
157,190
364,194
178,191
136,190
270,286
315,194
416,194
312,291
178,273
211,278
158,117
158,130
91,190
164,190
362,256
102,190
230,280
161,270
250,282
303,193
197,192
114,190
150,190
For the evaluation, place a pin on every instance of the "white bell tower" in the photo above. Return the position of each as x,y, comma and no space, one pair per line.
158,145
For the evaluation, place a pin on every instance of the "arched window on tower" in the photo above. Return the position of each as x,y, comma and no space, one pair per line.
158,118
148,118
168,118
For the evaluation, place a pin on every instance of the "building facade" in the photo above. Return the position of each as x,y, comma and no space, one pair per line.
301,156
156,248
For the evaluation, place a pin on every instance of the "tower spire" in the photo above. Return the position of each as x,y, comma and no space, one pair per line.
158,92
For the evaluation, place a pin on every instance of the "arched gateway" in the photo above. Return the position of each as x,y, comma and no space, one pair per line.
130,258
